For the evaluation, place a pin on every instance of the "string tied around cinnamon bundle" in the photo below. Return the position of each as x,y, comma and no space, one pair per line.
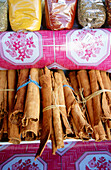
29,81
85,99
56,106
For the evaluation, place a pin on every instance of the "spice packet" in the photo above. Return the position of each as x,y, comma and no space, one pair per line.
60,14
3,15
91,12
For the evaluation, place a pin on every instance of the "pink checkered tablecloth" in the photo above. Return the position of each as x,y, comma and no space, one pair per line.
74,49
74,156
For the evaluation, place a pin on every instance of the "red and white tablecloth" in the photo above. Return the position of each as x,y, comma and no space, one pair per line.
74,49
74,156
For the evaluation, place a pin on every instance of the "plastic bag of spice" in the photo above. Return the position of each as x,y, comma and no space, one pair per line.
25,14
3,15
60,14
91,13
108,7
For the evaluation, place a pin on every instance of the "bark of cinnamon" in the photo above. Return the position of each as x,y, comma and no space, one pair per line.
61,100
18,111
13,129
97,109
45,83
3,105
85,85
30,121
73,106
58,131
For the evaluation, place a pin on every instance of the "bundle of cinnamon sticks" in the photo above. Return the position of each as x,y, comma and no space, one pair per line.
45,104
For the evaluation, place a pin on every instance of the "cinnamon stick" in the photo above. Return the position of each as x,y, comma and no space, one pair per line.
45,83
107,85
18,111
13,129
99,132
85,85
61,100
30,121
56,117
97,110
73,106
3,104
105,106
74,81
75,86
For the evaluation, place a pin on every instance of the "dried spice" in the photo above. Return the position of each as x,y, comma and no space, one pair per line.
91,13
3,15
60,14
25,14
108,7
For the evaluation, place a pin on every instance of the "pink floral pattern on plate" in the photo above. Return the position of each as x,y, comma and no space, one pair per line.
94,161
24,165
92,47
24,48
89,47
99,164
23,162
19,43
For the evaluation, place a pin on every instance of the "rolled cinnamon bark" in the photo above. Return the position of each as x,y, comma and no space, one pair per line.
107,85
30,121
74,81
75,86
97,110
105,106
71,104
3,93
99,132
45,83
3,104
84,83
61,101
18,111
69,96
58,131
54,146
108,130
75,130
83,128
13,129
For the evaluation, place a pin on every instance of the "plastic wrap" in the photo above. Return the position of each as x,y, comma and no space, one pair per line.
91,13
108,7
25,14
3,15
60,14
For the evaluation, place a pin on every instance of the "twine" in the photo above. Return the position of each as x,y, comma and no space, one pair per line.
7,89
30,81
55,106
52,106
85,99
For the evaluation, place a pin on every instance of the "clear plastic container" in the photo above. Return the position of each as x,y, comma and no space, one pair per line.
25,15
3,15
91,12
60,14
108,7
